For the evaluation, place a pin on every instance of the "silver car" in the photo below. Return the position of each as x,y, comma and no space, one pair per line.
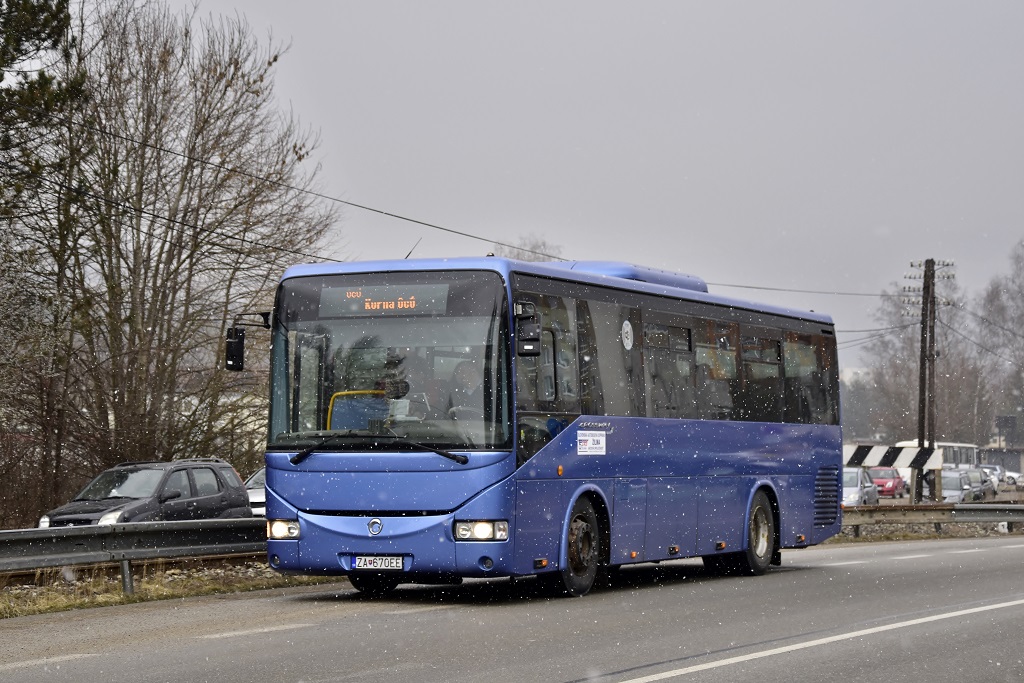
956,487
255,486
858,489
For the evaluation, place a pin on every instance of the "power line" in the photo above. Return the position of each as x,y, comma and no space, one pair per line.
989,322
852,343
804,291
389,214
980,346
253,176
121,204
878,329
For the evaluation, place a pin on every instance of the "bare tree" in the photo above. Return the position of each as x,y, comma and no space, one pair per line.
963,388
1000,323
530,247
184,193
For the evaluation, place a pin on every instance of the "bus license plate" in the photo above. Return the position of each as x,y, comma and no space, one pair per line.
377,562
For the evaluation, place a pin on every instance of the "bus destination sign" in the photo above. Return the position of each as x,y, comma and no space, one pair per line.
383,300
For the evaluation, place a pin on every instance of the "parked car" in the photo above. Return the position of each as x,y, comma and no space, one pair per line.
956,487
197,488
888,481
256,488
858,489
989,484
997,471
1013,478
978,480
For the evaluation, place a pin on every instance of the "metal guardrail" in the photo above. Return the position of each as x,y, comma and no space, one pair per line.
28,549
939,513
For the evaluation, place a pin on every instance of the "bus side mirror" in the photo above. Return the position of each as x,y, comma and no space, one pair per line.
234,349
527,329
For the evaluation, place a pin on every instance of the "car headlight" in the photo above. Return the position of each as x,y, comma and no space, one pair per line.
481,530
44,522
110,518
282,529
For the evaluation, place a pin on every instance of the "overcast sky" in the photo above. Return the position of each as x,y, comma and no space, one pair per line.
817,146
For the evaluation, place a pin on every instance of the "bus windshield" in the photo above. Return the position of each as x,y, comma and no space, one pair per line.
365,358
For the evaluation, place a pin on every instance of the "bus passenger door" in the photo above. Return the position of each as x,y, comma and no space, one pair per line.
628,521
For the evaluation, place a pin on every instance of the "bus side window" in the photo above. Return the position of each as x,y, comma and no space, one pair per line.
550,382
546,375
811,380
760,398
717,374
618,338
591,394
668,364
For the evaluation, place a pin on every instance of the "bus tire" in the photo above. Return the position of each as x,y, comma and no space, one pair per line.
373,585
761,541
761,544
583,557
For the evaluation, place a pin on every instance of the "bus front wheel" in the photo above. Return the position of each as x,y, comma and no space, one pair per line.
583,543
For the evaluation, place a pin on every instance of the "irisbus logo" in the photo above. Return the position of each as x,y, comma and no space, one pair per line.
375,526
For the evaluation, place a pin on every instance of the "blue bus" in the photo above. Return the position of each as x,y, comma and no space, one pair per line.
432,420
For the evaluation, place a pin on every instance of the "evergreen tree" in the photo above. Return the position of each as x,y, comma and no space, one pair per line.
34,37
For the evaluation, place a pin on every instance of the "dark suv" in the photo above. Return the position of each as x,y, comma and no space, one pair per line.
197,488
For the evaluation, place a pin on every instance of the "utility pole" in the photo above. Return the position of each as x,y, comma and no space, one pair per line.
926,386
925,428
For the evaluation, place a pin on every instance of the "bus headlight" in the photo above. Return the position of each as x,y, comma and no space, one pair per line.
481,530
282,529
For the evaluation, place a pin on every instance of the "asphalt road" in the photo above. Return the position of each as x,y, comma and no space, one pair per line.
947,610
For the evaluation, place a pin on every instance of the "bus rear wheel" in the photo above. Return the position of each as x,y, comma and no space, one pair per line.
761,543
760,536
583,543
373,585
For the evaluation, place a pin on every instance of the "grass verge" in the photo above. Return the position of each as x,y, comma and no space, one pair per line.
58,590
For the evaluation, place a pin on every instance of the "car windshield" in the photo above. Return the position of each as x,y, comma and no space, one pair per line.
420,356
950,481
257,480
849,479
883,474
123,483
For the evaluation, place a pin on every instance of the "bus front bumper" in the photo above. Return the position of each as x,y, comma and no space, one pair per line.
420,545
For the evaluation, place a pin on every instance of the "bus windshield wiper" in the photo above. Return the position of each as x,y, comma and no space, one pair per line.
461,459
324,440
327,439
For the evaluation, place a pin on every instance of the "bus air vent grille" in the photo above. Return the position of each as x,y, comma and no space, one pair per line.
826,496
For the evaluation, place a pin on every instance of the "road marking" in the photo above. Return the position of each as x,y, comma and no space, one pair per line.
964,552
256,631
910,557
845,564
46,661
821,641
414,610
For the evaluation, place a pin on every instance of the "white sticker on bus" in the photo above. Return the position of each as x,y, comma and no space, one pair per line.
590,443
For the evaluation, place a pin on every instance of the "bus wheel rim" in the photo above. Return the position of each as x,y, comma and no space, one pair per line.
759,529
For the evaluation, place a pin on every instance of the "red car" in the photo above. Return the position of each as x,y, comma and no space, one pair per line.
888,481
